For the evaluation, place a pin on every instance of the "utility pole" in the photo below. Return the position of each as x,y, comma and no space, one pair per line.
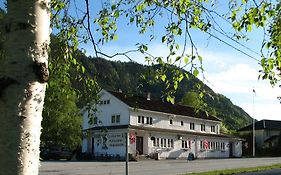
254,137
127,156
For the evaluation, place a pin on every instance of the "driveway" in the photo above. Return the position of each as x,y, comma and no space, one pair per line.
149,167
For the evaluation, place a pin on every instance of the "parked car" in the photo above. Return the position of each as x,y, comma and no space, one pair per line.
56,153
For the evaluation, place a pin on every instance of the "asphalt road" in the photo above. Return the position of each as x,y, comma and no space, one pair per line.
149,167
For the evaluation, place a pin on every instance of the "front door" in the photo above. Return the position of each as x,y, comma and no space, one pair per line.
230,149
139,145
93,145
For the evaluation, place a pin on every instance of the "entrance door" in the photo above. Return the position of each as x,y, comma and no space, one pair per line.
93,145
139,145
230,149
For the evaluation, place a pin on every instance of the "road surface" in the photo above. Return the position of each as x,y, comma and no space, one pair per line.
149,167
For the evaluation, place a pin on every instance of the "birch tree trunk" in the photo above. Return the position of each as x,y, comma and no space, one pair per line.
23,77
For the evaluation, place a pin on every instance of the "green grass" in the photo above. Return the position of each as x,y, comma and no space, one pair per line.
238,170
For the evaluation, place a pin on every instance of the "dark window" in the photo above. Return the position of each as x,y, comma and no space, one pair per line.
191,126
113,119
181,123
171,122
108,101
150,122
142,119
172,143
184,144
147,120
213,128
202,127
153,141
139,119
95,120
169,143
117,118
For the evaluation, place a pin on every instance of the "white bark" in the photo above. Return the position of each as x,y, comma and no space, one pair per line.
22,91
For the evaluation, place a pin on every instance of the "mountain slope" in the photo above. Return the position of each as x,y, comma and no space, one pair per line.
127,76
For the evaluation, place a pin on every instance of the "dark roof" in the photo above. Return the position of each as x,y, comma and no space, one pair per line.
272,138
263,124
179,132
159,106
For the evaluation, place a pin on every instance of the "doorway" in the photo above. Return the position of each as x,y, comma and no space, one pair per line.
139,145
230,149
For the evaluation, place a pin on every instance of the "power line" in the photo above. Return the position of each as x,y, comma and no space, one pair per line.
239,50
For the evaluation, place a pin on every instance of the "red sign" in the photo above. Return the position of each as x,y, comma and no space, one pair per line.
206,144
132,138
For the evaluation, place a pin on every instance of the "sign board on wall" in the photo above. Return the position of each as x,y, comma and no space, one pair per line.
116,139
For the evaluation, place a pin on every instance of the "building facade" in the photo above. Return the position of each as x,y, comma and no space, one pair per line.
266,132
149,127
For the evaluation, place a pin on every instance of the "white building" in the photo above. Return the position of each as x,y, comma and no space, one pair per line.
172,131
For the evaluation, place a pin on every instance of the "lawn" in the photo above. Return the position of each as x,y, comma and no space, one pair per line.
238,170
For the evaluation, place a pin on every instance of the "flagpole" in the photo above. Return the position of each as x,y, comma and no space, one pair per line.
254,140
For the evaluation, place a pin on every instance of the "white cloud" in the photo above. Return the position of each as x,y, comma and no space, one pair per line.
236,80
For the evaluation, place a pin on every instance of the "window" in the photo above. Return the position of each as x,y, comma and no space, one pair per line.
95,120
147,120
201,145
153,141
165,145
161,142
139,119
222,146
217,145
150,120
171,122
169,143
191,126
181,123
157,142
172,143
115,119
212,145
202,127
104,102
213,128
142,119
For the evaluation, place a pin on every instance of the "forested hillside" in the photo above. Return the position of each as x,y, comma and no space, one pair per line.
128,77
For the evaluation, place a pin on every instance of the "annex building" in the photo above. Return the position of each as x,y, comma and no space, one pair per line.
152,128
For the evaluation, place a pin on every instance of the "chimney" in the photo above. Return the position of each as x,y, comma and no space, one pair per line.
148,96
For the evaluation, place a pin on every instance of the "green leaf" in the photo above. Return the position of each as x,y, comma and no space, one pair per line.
115,37
186,59
163,39
195,72
163,77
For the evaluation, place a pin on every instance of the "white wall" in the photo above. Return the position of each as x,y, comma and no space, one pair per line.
105,111
163,121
